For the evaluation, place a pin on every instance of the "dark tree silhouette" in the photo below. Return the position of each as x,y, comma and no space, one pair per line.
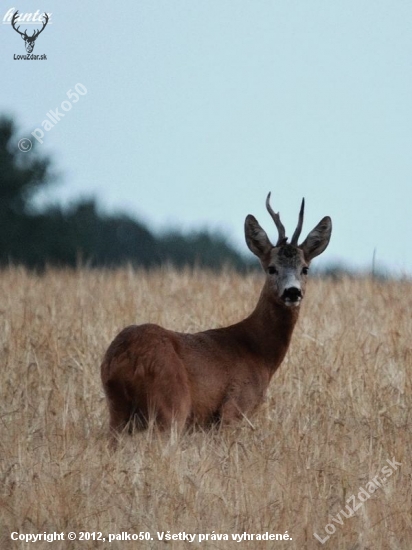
21,174
81,234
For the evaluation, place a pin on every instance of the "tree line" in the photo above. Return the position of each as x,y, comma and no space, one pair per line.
80,234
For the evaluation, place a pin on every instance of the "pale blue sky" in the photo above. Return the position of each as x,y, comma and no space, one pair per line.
196,109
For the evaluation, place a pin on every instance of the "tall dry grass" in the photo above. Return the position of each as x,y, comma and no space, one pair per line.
338,408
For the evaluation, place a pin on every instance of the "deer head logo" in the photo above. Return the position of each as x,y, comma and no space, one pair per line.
29,40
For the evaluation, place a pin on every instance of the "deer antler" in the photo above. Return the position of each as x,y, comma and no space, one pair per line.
24,34
13,22
298,229
275,217
36,34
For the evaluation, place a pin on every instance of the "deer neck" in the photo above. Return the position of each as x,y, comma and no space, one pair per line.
271,325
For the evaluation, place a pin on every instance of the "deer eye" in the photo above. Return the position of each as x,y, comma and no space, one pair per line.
305,270
272,270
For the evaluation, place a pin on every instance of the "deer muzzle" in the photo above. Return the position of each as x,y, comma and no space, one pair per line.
292,295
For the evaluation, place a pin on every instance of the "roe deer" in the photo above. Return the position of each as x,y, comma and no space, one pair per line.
219,375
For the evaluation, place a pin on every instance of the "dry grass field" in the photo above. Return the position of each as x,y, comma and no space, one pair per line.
338,408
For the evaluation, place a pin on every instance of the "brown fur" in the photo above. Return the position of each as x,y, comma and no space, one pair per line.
220,375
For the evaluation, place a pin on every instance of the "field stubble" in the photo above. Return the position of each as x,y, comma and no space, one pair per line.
337,409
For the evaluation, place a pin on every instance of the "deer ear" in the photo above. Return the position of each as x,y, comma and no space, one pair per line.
317,240
256,238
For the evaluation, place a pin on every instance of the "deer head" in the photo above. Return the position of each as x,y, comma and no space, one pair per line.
287,264
29,40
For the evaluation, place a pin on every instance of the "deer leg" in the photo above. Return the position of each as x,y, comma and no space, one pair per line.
230,412
169,409
120,409
169,401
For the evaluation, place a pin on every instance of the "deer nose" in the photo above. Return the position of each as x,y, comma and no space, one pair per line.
292,293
